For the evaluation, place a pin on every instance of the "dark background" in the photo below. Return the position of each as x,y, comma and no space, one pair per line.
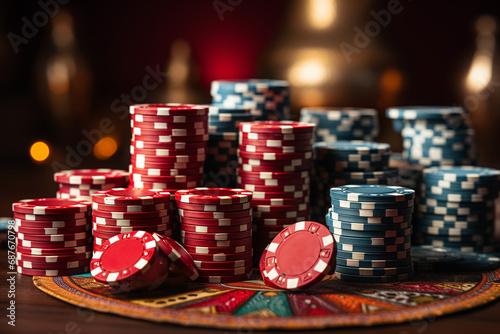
432,42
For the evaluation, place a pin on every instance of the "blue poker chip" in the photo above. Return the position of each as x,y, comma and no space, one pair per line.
462,185
449,231
425,255
365,227
457,218
440,210
455,224
356,147
480,237
435,202
329,113
374,271
372,205
442,243
462,173
429,133
445,258
372,193
373,248
381,256
370,220
250,85
485,190
465,197
443,125
374,263
372,234
374,279
372,241
373,213
215,110
350,157
424,112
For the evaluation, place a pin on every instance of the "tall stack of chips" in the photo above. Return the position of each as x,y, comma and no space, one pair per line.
334,124
82,183
53,236
458,207
267,99
120,210
347,162
216,230
274,162
222,161
435,136
372,227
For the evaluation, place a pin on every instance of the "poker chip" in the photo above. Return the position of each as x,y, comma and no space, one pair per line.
207,272
222,257
373,213
371,241
281,127
275,222
175,145
52,272
362,226
164,185
216,243
372,193
53,237
215,214
276,138
281,214
130,215
124,229
177,255
53,251
130,196
168,109
281,267
216,235
213,196
53,244
385,256
375,279
215,229
48,229
380,264
144,267
242,181
48,266
129,208
217,250
214,207
215,222
286,189
393,233
48,259
370,220
371,205
445,258
91,176
62,217
223,264
48,206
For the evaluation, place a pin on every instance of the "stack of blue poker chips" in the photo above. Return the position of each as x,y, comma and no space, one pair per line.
267,99
372,227
435,136
222,161
457,209
347,162
335,124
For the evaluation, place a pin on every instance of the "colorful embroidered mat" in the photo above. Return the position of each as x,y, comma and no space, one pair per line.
251,304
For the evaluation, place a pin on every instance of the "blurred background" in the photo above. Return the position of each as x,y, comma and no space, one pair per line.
71,68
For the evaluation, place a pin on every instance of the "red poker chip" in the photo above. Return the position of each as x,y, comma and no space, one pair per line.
44,251
288,265
282,149
223,264
164,165
274,221
68,196
204,272
168,159
221,222
221,257
54,244
49,227
258,169
275,142
170,139
163,185
275,156
216,235
93,187
216,243
51,206
91,176
216,214
280,201
168,119
53,258
281,208
168,125
217,196
59,265
130,208
166,179
182,133
163,152
107,235
281,127
224,279
215,229
281,214
214,207
175,145
274,175
54,237
276,136
269,182
178,255
273,195
131,196
144,266
125,229
165,172
72,216
168,109
52,272
274,163
76,192
131,215
217,250
286,189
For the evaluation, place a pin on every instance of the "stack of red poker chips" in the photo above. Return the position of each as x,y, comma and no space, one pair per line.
82,183
299,256
130,261
53,236
275,159
216,230
121,210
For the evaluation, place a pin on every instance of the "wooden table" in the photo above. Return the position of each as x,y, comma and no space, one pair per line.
37,313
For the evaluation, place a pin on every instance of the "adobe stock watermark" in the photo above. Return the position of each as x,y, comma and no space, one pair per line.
120,106
222,6
372,29
40,19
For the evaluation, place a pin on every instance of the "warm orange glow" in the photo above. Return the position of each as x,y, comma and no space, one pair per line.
321,13
391,81
39,151
105,148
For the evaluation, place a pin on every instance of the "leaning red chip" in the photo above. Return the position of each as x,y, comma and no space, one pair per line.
289,265
130,196
217,196
178,255
91,176
50,206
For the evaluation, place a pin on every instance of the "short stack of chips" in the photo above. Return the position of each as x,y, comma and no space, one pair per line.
222,161
335,124
435,136
267,99
347,162
216,230
82,183
372,227
298,257
120,210
458,207
275,159
53,236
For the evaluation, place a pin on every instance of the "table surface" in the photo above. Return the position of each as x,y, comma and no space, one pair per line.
37,312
